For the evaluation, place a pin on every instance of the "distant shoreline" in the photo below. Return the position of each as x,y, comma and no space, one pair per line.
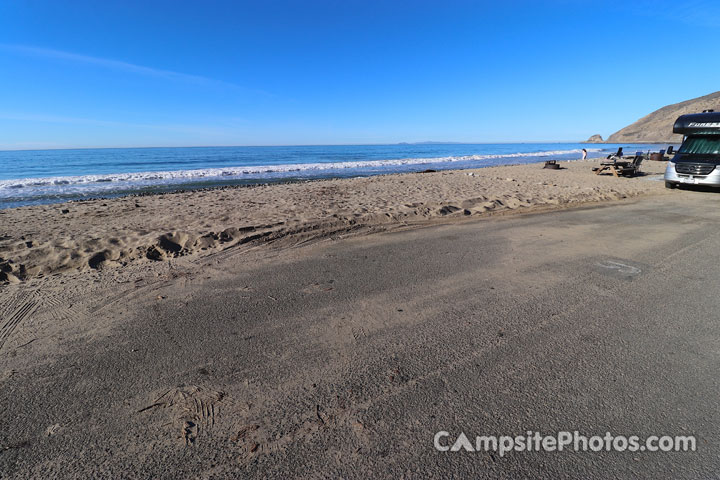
302,145
632,143
53,176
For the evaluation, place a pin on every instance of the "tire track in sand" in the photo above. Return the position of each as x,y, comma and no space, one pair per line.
21,306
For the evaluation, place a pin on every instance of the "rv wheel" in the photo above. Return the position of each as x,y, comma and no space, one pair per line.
670,185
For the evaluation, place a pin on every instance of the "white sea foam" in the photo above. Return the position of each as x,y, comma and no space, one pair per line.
16,187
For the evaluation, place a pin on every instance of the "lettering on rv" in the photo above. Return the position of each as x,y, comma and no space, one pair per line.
704,124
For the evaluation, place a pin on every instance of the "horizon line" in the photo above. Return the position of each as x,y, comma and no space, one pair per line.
2,149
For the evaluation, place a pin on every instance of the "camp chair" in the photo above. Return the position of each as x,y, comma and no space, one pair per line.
616,155
625,169
633,167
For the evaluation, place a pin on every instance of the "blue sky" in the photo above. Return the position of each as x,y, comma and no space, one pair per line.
151,73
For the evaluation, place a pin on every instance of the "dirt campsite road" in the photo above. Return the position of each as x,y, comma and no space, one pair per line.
344,358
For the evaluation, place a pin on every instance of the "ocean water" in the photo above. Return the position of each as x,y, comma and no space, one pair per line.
49,176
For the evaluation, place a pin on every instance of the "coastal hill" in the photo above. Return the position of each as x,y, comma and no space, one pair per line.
657,126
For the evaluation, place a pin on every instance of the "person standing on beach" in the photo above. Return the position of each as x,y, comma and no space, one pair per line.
584,154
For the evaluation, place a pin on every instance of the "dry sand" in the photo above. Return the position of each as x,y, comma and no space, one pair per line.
101,234
343,358
245,359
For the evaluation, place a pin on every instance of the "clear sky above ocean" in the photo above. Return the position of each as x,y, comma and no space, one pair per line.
169,73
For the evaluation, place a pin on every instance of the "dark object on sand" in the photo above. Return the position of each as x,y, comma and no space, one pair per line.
552,164
429,170
625,169
658,157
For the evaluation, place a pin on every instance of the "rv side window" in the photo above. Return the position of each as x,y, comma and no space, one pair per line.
708,145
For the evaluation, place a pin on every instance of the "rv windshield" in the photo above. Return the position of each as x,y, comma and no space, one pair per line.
705,145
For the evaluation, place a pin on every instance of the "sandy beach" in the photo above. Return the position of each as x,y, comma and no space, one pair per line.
108,235
341,358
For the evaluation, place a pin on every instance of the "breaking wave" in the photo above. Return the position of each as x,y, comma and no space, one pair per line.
100,183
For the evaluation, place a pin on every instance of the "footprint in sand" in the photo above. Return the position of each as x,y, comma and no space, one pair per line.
193,408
